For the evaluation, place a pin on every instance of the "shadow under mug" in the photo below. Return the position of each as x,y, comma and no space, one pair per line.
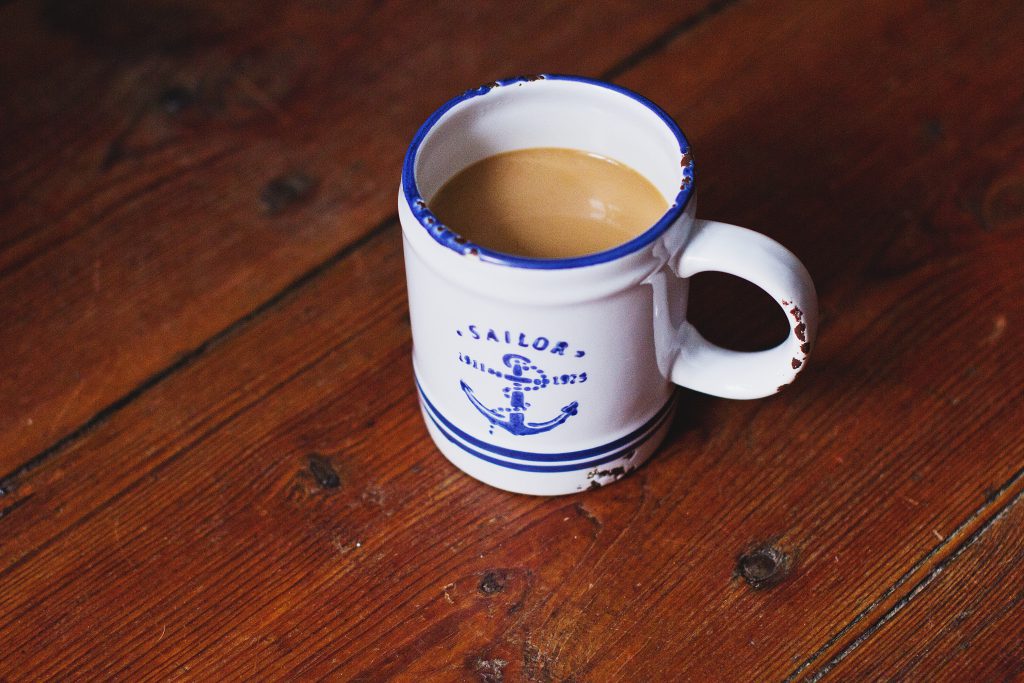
551,376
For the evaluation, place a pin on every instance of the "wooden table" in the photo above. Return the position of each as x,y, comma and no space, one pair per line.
213,465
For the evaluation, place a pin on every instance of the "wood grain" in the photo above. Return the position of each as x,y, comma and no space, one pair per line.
963,618
168,168
197,533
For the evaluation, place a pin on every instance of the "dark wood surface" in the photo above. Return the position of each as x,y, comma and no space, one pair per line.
213,465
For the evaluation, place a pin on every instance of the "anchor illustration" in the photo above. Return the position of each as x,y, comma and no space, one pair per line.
513,418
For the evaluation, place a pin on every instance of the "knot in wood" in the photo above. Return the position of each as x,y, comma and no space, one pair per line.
284,191
492,582
175,98
763,566
323,472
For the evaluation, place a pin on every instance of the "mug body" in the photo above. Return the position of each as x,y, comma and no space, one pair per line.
546,376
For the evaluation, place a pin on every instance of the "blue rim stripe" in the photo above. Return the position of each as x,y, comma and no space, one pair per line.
537,468
447,238
546,457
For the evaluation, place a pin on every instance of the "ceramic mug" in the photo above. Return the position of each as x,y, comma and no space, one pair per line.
551,376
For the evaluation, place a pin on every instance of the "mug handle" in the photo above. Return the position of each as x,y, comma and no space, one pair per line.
714,370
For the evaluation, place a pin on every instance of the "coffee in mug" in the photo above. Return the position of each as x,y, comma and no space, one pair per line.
548,202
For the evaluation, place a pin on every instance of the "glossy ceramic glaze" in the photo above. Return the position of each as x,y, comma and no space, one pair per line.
551,376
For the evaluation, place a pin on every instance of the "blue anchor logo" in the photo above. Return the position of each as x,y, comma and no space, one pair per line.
513,418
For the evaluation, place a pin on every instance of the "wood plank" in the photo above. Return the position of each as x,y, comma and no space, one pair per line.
165,171
194,508
964,620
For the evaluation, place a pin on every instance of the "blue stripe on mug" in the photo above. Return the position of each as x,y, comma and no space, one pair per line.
567,466
620,446
546,457
535,468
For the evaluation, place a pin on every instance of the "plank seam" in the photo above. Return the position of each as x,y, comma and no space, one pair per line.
9,481
932,574
662,41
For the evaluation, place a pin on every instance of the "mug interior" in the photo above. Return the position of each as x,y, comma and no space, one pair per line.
548,111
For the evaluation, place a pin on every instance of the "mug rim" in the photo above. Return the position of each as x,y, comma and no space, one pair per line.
452,240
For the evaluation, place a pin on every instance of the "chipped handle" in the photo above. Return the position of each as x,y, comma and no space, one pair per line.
711,369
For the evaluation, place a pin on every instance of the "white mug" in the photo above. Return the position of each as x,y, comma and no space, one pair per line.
551,376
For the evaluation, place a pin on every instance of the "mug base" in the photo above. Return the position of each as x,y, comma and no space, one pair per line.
542,480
